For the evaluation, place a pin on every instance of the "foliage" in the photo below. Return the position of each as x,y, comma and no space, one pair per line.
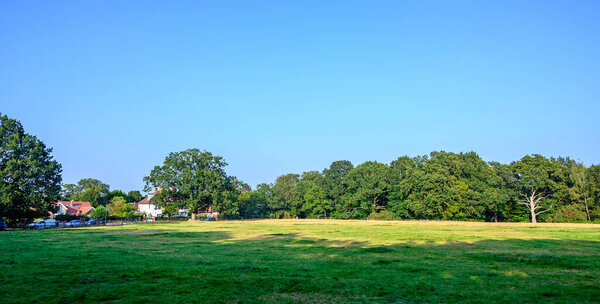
64,217
285,196
170,208
384,215
31,178
569,214
87,190
368,187
192,178
99,212
441,185
119,207
135,195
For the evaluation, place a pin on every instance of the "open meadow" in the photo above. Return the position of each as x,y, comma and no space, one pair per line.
303,261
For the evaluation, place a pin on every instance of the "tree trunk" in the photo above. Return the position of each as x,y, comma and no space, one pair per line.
587,209
193,216
532,202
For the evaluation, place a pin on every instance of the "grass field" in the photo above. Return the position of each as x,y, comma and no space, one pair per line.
303,261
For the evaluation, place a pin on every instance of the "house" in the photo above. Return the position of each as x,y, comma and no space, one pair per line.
209,213
73,208
150,209
145,206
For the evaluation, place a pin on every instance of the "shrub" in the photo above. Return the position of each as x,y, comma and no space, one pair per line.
383,215
130,215
99,213
569,214
64,217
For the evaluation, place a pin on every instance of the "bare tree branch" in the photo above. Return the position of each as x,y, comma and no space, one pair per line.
542,211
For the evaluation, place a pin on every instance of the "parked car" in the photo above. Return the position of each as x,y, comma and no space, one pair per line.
92,222
3,225
74,223
42,224
210,219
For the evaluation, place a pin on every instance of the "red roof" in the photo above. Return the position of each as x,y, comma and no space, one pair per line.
146,200
77,208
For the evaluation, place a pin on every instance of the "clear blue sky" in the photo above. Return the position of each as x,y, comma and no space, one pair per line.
290,86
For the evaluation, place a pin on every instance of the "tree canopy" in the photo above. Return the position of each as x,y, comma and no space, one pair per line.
441,185
30,177
192,178
87,190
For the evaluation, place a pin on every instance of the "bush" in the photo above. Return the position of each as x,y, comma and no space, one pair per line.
569,214
382,216
132,215
99,213
64,217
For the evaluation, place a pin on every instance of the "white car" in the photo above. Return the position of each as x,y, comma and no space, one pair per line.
41,224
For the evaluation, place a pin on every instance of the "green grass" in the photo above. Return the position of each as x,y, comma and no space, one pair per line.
303,261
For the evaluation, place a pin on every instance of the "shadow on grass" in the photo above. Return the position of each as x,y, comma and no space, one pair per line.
213,266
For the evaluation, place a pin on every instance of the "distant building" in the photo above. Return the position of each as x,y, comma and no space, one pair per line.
73,208
209,213
151,209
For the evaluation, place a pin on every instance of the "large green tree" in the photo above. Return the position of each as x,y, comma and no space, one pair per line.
89,190
255,204
368,187
286,199
228,204
135,195
119,207
593,191
192,178
30,177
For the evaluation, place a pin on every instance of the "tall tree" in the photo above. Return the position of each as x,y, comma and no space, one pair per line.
30,177
255,204
368,188
88,190
334,179
192,178
68,191
135,195
537,178
285,195
593,180
500,194
228,205
581,187
119,207
316,201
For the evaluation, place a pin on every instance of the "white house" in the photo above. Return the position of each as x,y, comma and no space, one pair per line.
150,209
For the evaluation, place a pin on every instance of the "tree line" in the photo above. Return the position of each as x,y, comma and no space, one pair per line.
441,185
438,186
